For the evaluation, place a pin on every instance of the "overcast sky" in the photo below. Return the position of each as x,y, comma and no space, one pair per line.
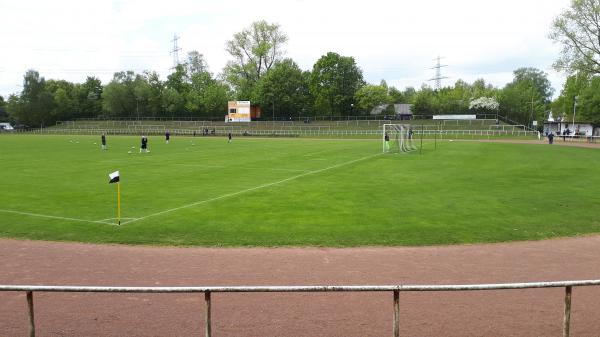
392,40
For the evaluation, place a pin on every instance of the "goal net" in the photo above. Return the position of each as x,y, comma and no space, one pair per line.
397,138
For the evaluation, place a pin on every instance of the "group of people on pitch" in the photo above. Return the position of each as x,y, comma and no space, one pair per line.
144,143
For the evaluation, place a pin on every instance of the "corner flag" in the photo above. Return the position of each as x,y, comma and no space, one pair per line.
114,177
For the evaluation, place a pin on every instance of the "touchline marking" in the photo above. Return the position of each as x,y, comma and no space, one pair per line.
51,216
250,189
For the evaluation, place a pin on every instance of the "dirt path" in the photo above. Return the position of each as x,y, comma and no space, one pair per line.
536,312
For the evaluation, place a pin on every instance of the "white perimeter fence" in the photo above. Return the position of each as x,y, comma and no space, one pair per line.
285,133
394,289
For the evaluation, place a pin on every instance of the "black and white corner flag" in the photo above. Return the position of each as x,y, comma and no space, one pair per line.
114,177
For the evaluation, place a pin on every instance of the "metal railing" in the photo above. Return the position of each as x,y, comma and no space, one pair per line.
282,133
578,138
394,289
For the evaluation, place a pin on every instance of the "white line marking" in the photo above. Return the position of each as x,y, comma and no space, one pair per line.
112,219
250,189
243,167
51,216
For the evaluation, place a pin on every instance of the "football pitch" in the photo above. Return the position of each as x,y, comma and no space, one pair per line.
293,192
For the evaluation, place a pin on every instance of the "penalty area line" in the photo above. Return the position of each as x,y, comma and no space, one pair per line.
53,217
251,189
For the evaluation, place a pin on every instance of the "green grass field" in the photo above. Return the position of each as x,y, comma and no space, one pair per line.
294,192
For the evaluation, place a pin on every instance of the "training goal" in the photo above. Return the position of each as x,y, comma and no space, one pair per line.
397,138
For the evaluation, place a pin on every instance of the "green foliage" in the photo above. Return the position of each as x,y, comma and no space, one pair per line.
573,86
409,199
285,89
371,96
118,97
589,102
3,113
578,31
207,96
89,97
333,83
396,96
527,97
449,100
33,105
254,50
195,63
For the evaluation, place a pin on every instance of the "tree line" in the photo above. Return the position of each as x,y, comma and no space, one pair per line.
260,72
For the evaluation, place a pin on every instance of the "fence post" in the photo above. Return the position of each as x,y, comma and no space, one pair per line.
208,329
567,316
396,313
30,312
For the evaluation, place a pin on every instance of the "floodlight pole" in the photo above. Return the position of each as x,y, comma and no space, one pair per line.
574,109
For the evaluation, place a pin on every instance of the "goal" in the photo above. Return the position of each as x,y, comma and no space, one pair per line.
400,138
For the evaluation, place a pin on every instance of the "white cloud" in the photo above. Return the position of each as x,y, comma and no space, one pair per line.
392,40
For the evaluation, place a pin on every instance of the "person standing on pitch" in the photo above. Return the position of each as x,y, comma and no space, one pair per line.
387,142
550,138
144,146
167,136
229,137
103,138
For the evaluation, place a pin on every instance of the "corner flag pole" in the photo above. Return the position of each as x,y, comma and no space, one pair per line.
119,203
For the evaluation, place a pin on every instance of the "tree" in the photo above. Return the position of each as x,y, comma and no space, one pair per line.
396,96
15,109
64,96
254,50
118,97
195,63
484,104
536,79
334,82
207,96
371,96
284,89
424,101
588,103
527,97
89,98
573,87
409,94
155,98
3,113
33,106
578,31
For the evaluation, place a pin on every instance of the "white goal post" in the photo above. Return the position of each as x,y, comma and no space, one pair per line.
397,138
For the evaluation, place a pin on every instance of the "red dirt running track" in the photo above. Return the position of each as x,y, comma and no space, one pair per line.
535,312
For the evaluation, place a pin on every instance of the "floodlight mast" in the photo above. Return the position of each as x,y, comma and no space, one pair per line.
574,109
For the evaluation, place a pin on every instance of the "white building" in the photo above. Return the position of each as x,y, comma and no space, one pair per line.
577,128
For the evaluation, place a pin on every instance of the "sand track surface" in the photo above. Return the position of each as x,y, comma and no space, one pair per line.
536,312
